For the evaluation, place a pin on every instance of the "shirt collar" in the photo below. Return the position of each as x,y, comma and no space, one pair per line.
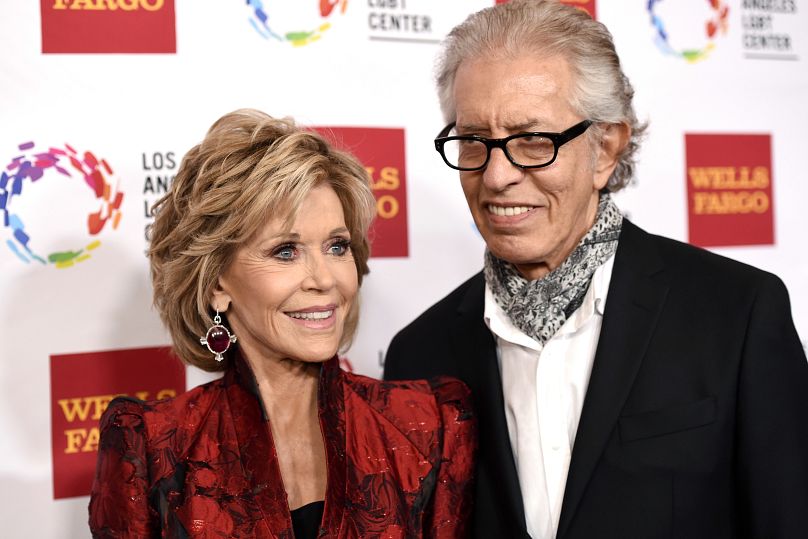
594,303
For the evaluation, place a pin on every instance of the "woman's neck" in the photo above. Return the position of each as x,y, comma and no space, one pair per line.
288,390
286,386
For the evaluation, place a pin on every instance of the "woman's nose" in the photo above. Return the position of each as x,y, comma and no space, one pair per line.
319,276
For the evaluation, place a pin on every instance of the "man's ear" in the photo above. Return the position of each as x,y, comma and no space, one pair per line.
221,299
613,140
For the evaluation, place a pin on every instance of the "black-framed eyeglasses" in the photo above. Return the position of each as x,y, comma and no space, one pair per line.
524,150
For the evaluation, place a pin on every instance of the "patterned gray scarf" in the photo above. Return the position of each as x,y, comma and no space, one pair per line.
539,308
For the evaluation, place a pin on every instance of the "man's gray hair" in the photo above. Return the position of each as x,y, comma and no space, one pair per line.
601,91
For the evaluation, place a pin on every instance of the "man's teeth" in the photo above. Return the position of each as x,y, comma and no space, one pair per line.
317,315
508,210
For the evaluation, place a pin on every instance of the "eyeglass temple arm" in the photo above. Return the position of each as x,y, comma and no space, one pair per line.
574,131
445,131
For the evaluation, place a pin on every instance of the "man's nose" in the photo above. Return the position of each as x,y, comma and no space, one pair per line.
500,173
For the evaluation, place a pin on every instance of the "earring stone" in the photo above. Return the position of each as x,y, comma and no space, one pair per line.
218,338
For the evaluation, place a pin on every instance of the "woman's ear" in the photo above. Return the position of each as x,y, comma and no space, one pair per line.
613,141
221,299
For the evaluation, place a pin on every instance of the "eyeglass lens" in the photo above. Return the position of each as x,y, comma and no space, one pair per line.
524,150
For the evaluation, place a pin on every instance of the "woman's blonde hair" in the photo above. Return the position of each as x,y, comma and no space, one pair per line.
249,168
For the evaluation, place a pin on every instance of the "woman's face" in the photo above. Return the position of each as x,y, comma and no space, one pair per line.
287,293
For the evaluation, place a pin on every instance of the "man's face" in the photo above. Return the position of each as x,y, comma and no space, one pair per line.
552,207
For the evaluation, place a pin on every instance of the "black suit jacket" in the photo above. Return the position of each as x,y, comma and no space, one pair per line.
695,421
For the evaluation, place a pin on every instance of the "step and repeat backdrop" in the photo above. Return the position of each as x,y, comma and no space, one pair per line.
99,100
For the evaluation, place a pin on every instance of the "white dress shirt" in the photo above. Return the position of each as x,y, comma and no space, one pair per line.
544,389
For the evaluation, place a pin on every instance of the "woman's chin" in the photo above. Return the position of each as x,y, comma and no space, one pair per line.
316,359
320,355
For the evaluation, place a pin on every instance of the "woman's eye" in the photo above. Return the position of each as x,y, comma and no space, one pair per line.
339,248
285,252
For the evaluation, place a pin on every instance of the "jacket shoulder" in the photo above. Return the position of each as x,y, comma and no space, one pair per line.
397,398
425,348
165,419
422,412
432,323
692,262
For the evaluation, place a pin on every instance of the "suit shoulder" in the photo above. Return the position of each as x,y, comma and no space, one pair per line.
701,263
425,347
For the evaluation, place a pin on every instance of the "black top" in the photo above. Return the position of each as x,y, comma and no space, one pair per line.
306,520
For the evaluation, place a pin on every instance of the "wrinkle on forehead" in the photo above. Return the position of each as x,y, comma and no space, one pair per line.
533,86
522,126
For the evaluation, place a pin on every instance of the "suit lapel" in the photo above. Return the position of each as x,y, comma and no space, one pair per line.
636,296
477,364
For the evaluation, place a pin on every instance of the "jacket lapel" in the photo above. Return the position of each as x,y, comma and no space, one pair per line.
258,456
637,292
477,365
260,459
331,404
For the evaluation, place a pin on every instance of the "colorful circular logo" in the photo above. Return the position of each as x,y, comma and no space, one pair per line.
294,21
66,169
716,23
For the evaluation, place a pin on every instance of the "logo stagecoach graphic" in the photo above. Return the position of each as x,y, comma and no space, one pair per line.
35,178
298,22
717,12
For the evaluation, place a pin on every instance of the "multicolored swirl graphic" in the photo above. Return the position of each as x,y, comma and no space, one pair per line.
717,22
260,21
85,169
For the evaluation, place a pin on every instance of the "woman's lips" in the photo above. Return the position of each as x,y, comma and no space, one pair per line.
315,317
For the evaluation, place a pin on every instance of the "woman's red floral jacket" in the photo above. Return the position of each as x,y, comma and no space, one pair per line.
399,459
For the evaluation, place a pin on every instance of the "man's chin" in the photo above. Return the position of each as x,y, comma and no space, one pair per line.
513,250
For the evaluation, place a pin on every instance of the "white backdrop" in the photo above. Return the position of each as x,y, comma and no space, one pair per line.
138,110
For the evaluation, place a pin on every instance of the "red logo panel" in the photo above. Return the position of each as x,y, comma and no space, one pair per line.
729,190
82,385
108,26
586,5
381,150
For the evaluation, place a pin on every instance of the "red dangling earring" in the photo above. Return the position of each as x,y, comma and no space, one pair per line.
218,338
